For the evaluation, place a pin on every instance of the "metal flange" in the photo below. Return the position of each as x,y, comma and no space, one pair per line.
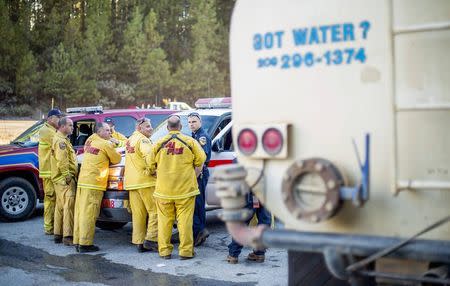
310,189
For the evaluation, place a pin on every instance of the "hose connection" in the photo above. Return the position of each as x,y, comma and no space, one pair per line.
232,190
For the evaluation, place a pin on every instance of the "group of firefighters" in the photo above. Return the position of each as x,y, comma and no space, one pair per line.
166,181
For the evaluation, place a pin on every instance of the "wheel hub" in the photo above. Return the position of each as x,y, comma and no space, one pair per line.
14,200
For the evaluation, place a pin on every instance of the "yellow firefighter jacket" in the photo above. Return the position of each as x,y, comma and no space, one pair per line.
45,149
120,137
175,156
138,150
98,154
64,159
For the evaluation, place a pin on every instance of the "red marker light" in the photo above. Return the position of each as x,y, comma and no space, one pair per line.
247,141
272,141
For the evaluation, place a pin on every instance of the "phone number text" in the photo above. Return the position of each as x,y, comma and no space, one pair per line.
309,59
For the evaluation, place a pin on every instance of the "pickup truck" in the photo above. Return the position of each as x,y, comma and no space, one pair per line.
20,185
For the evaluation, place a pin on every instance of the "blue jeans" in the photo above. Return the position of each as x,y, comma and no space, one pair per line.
263,216
200,211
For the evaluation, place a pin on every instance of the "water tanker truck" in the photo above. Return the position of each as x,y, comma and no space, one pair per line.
341,114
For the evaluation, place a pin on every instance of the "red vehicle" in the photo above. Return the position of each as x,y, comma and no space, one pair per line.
20,186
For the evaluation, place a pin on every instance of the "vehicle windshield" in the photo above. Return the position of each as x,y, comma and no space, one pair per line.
208,121
29,137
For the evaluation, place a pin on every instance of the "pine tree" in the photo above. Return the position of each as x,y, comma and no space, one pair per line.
174,24
224,10
133,53
62,80
95,56
28,79
201,76
18,68
50,20
85,52
99,37
143,64
154,73
7,53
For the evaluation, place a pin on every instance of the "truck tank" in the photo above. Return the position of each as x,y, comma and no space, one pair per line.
341,115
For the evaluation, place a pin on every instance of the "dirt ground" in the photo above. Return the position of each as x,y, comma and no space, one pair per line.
10,129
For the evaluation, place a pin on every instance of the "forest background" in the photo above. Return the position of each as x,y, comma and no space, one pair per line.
115,53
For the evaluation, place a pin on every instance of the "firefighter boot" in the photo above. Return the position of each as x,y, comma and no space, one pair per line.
57,238
150,245
232,259
88,248
68,240
255,257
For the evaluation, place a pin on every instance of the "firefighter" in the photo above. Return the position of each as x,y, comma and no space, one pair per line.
199,134
99,153
64,173
141,186
117,138
44,151
178,159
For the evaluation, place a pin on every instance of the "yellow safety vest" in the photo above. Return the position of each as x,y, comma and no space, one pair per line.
175,156
122,139
45,149
98,154
138,150
64,159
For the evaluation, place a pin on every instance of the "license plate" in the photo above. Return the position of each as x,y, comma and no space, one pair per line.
112,203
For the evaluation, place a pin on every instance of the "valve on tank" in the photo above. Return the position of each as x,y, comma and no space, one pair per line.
313,189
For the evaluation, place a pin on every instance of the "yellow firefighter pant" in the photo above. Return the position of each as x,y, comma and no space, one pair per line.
65,203
183,211
87,209
143,212
49,204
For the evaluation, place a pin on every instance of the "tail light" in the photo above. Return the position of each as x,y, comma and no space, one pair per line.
115,178
272,141
247,141
263,141
115,185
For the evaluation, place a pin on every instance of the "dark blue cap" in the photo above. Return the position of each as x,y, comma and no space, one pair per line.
54,111
109,120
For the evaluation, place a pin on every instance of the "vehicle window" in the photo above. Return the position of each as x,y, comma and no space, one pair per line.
124,124
30,137
221,126
156,119
81,131
225,143
207,122
228,142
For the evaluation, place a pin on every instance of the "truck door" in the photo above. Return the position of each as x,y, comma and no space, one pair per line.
222,153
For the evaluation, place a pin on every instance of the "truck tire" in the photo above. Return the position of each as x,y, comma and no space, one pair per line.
309,269
109,225
17,199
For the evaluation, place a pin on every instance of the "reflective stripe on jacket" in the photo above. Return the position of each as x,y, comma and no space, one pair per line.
138,150
98,154
174,158
46,134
